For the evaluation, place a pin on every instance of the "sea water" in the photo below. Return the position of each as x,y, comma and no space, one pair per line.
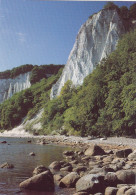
16,151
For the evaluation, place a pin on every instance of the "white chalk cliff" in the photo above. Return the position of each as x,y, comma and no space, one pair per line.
10,86
96,39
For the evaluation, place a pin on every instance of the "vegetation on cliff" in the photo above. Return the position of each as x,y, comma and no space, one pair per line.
27,102
105,104
37,72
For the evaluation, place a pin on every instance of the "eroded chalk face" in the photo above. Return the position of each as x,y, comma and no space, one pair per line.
96,39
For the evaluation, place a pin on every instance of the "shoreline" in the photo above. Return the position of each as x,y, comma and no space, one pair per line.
76,141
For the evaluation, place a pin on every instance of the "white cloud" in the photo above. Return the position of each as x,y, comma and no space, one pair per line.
21,37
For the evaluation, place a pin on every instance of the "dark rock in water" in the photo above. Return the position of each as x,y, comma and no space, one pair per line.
29,141
55,165
32,154
69,180
7,165
126,176
91,183
40,169
41,182
94,150
123,153
68,153
3,142
111,191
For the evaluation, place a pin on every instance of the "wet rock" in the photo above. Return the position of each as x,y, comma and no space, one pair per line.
55,165
7,165
29,141
123,153
91,183
3,142
31,154
94,150
111,191
40,182
39,169
126,176
68,153
69,180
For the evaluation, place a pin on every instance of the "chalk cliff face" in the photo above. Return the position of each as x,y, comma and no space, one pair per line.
96,39
10,86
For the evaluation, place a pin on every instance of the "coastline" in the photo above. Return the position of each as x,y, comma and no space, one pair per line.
73,141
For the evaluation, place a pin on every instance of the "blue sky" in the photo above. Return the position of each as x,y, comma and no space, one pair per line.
41,32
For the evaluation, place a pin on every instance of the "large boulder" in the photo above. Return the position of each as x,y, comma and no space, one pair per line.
91,183
41,182
132,156
94,150
55,165
123,153
69,180
126,176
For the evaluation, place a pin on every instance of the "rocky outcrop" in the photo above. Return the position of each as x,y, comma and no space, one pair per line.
96,39
10,86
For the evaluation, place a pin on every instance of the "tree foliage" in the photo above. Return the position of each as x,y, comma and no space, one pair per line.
106,102
27,102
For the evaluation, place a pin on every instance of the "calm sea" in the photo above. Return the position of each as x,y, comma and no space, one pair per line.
16,151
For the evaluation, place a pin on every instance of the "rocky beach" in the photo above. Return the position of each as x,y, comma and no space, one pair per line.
93,166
